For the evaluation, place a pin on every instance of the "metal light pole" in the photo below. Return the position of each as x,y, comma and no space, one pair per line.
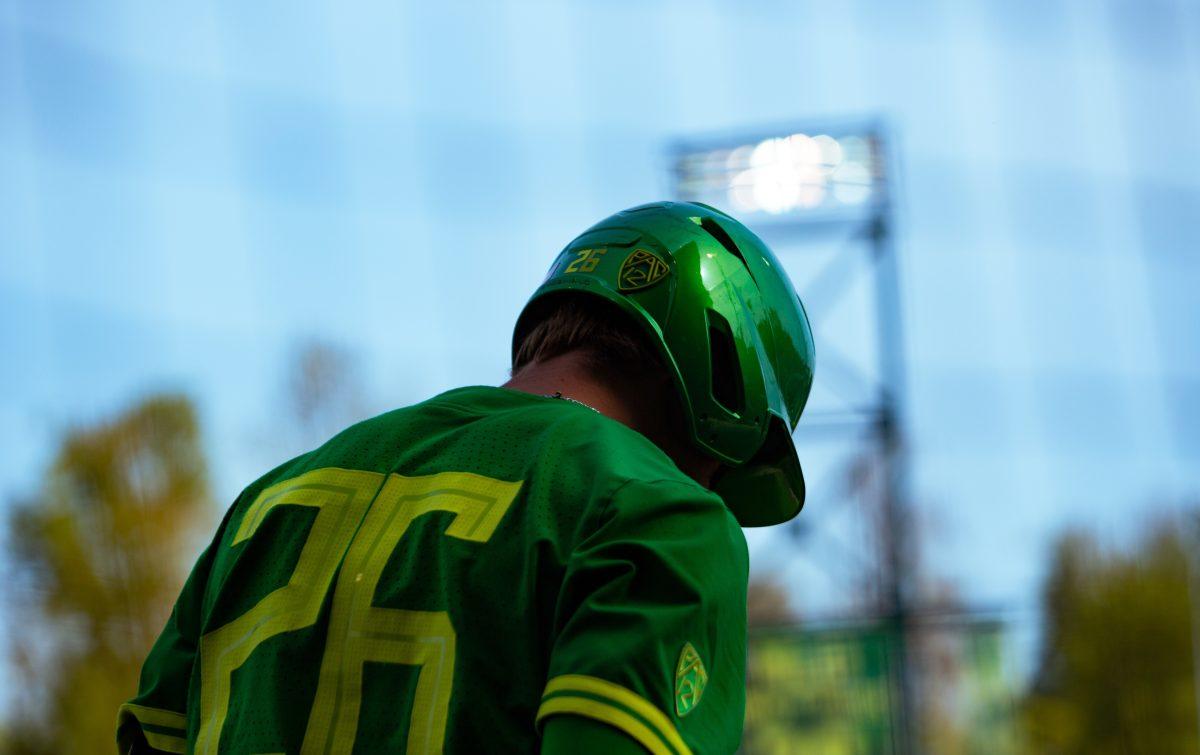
791,185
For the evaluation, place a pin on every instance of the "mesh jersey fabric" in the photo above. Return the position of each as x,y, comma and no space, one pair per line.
443,578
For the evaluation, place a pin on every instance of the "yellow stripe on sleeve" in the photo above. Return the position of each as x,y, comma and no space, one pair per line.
165,742
608,714
167,719
156,716
602,688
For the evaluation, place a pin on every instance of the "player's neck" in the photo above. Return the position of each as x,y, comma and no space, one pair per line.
638,407
569,376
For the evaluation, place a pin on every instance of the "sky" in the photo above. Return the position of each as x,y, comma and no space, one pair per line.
187,191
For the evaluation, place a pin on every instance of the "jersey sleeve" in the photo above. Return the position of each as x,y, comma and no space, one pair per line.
651,622
157,716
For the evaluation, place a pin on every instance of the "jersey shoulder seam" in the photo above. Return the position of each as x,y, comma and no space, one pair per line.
689,484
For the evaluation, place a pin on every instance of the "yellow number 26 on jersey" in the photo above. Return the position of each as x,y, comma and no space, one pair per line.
361,518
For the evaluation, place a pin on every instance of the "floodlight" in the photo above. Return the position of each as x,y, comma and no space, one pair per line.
793,174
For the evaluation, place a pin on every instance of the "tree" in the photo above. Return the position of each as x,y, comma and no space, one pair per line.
1115,673
323,392
767,603
98,557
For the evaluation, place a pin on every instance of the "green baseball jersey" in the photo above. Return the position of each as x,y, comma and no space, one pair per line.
444,578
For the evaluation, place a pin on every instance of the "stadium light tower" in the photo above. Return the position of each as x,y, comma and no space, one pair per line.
796,187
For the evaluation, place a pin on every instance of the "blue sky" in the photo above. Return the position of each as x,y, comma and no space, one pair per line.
185,191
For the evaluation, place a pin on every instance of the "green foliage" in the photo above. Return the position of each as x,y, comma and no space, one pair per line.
1116,672
99,555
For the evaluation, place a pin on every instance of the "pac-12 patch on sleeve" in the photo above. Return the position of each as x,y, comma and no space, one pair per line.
690,680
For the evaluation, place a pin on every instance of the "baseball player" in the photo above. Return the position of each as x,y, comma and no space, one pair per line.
554,565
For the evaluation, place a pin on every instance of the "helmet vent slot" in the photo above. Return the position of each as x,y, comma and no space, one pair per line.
726,375
717,232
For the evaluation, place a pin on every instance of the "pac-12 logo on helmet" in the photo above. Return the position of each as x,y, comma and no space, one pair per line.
641,269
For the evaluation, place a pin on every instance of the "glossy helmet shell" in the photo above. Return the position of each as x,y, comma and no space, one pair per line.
728,325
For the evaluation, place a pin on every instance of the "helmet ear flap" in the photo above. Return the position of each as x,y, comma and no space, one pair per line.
769,488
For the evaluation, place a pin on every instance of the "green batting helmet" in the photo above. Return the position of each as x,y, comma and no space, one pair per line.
729,327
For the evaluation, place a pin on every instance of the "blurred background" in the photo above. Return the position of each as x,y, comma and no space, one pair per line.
228,230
